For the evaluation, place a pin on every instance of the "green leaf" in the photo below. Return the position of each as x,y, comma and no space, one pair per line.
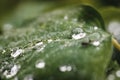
64,44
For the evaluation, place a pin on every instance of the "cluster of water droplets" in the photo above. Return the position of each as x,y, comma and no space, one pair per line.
78,33
65,68
12,72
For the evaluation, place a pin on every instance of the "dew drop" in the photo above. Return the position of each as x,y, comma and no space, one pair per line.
78,36
118,73
14,70
50,40
3,51
65,68
96,43
17,53
40,65
39,46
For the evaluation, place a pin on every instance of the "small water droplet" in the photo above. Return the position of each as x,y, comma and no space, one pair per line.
39,46
29,77
96,43
65,17
11,73
65,68
40,65
50,40
17,53
3,51
118,73
78,36
111,77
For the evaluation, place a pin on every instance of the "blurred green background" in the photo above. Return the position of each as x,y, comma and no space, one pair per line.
19,13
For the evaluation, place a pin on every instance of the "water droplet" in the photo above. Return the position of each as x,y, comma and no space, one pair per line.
118,73
65,68
3,51
65,17
96,43
50,40
95,28
17,53
111,77
78,36
14,70
40,64
39,46
29,77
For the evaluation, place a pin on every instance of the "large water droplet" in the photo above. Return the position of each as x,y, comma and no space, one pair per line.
40,64
65,68
11,73
78,36
17,53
